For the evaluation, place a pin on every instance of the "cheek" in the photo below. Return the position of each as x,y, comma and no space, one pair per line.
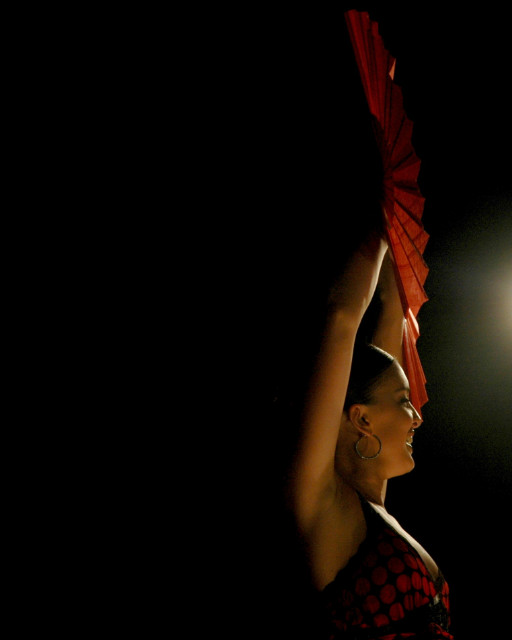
397,429
399,439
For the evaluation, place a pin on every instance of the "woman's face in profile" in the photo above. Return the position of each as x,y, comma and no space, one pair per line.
394,419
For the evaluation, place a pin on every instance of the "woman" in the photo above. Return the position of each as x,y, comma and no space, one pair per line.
375,580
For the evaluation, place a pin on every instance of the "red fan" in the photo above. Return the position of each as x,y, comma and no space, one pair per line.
402,200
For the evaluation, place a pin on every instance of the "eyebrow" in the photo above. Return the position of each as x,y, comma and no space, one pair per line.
403,389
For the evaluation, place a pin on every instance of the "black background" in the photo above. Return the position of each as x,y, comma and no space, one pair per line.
289,164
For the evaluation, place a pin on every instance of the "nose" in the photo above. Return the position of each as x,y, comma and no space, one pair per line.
417,420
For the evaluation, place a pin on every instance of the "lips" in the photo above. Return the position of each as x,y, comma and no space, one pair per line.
408,442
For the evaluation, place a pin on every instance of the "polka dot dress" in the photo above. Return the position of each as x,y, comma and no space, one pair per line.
386,592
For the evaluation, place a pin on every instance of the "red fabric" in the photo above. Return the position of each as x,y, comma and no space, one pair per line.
402,199
385,585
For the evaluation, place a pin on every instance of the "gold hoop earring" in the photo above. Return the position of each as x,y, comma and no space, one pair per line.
368,457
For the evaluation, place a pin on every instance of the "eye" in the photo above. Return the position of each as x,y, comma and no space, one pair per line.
405,401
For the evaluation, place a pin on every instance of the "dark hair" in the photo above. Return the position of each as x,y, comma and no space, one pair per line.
369,364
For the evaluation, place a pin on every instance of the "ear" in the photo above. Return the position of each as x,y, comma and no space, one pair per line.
359,417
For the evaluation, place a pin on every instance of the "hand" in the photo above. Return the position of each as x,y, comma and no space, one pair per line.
355,286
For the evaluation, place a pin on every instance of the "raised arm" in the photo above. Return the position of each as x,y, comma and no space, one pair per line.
314,478
389,331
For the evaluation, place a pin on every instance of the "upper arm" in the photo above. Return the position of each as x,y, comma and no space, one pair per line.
315,479
315,482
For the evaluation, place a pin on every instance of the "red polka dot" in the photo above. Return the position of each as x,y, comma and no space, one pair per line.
380,620
420,599
396,612
409,602
423,568
410,561
363,586
379,576
416,580
388,594
433,589
372,604
385,549
426,586
371,560
403,583
395,565
400,544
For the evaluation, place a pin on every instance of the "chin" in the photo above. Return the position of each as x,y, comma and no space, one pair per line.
410,462
405,467
409,450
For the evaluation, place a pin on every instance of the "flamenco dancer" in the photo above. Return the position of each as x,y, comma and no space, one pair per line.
374,579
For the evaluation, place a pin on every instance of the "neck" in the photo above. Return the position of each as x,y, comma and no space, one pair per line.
362,476
372,489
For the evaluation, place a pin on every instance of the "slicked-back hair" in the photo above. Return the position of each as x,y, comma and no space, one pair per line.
369,364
